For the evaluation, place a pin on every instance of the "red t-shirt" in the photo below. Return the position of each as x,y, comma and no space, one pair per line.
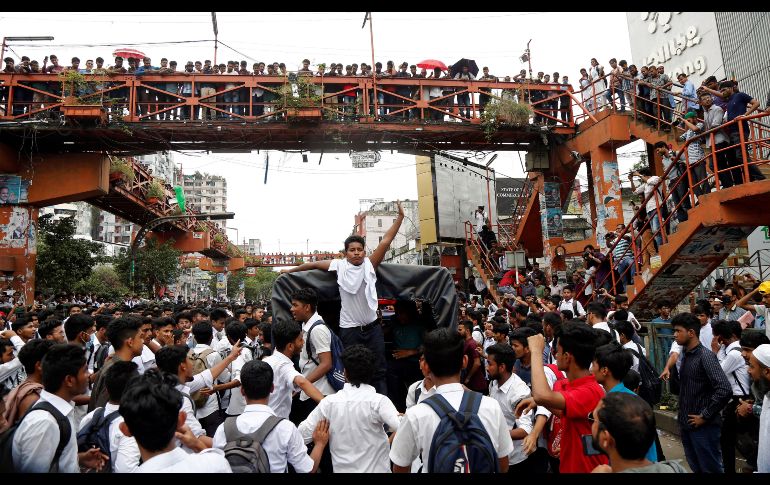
581,397
477,381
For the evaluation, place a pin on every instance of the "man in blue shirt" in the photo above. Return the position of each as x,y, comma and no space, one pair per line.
146,96
739,104
611,364
688,94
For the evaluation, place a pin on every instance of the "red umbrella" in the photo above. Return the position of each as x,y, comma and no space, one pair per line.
431,64
126,53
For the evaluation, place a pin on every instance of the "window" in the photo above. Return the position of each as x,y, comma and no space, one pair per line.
379,223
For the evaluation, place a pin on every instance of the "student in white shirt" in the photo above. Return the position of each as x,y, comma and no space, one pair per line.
567,303
210,413
422,389
164,331
625,333
36,440
356,279
151,412
356,416
284,444
315,365
444,359
596,316
177,361
218,318
123,452
288,341
235,331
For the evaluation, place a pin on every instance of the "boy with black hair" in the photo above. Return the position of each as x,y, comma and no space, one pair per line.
22,397
24,328
236,331
45,439
570,303
522,367
52,330
163,328
704,391
288,341
210,413
611,364
123,451
265,340
101,346
151,411
625,334
284,444
508,389
551,323
356,415
125,337
444,358
177,361
218,318
315,358
575,398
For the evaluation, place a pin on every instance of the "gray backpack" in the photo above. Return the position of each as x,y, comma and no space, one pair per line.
244,452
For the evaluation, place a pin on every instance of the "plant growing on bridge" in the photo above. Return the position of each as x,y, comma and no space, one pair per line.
121,165
75,89
504,112
155,189
218,239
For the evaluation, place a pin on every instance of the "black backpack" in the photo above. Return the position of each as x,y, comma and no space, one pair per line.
335,375
651,388
97,433
244,452
6,438
460,443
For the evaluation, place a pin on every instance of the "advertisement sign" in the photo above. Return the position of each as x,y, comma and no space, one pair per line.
13,189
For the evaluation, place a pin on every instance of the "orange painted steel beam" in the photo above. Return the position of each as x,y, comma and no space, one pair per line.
67,178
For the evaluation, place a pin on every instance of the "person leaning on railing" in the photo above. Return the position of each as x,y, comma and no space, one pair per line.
695,153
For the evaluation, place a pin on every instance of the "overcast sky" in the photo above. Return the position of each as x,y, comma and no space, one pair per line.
307,201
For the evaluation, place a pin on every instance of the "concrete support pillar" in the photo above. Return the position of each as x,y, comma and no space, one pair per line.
551,221
18,250
606,192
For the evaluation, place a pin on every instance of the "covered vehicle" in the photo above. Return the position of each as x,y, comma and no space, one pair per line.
431,287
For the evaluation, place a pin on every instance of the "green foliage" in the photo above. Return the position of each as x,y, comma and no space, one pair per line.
156,266
504,112
104,282
260,286
306,96
121,165
156,189
62,260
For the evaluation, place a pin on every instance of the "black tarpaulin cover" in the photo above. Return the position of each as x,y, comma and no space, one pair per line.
432,284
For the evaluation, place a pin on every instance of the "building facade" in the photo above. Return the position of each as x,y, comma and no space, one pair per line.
733,45
374,222
206,193
252,248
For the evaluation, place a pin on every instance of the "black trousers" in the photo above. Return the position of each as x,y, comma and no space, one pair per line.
211,422
373,339
730,430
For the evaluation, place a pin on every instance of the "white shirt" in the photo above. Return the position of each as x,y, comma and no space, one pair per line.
143,362
210,460
283,444
567,305
212,403
322,341
36,439
480,219
124,452
283,382
606,327
736,370
187,407
508,396
357,441
633,346
237,401
424,393
763,452
647,189
355,309
415,434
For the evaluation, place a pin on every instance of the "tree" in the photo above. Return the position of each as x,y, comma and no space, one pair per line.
156,266
260,286
103,282
63,260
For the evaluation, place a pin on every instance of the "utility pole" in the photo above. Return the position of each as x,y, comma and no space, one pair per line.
216,35
368,16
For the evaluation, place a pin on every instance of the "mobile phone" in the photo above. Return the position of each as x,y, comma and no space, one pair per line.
588,445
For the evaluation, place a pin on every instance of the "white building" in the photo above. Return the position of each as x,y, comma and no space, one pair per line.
252,248
374,222
82,212
161,165
206,193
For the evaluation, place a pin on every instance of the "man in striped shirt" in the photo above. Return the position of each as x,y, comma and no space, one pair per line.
704,391
622,257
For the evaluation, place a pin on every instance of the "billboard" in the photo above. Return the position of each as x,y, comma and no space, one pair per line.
507,190
13,189
459,187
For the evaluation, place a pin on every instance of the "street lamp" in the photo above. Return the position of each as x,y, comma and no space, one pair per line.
32,39
237,235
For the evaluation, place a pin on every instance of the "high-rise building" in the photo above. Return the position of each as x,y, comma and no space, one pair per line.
206,193
161,165
252,248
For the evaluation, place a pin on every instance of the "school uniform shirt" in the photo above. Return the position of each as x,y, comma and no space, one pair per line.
284,374
736,370
606,327
508,396
321,342
580,398
568,305
415,434
283,445
632,346
356,309
124,452
145,361
357,440
237,401
36,439
210,460
204,379
424,393
212,403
